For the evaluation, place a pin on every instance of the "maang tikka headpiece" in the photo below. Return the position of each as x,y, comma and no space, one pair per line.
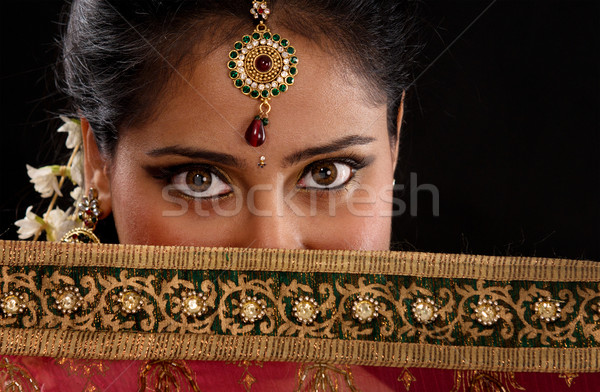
262,65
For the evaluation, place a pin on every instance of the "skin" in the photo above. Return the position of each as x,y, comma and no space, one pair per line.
268,207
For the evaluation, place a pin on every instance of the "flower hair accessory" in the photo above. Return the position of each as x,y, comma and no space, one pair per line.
262,65
48,182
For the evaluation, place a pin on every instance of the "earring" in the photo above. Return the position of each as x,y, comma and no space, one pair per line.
89,211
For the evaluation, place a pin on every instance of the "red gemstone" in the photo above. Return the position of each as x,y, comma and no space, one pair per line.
255,135
260,10
263,63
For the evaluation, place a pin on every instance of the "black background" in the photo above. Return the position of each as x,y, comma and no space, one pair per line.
504,123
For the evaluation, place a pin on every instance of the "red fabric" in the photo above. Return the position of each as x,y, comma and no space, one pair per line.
66,375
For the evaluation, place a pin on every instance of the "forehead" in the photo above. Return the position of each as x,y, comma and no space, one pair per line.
202,107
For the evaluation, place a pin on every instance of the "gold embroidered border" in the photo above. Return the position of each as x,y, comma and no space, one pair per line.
438,265
148,346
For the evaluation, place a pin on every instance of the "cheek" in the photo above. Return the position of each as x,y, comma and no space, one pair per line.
351,233
363,224
139,209
134,205
360,221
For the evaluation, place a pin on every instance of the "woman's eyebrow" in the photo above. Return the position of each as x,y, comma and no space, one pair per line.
336,145
196,153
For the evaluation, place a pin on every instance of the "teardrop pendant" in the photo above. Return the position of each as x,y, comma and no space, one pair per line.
255,134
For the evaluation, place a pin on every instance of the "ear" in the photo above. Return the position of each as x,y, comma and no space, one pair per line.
96,169
398,127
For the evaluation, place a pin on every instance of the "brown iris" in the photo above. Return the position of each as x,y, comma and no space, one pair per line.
198,180
324,174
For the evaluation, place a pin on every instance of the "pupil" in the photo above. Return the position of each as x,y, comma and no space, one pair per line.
198,181
324,174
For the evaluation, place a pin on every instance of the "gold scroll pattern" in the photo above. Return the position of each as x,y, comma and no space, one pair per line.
161,310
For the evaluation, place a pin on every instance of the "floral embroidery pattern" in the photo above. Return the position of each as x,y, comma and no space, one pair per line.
161,308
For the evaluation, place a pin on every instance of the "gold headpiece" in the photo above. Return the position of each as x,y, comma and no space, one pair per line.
262,65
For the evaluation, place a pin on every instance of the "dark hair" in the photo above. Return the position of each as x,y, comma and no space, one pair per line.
117,56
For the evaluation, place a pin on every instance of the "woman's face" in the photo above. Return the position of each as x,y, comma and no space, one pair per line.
188,177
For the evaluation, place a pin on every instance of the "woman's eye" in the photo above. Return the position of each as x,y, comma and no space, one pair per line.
326,175
200,183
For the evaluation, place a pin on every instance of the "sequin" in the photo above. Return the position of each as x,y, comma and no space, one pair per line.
68,300
305,310
252,309
365,309
424,311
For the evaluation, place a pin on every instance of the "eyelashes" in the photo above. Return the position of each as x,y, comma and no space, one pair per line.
205,181
194,181
330,174
199,183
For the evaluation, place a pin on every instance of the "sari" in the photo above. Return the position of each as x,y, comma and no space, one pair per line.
81,317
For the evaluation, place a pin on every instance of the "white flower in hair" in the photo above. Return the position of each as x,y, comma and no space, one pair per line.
56,222
60,223
30,225
44,179
74,130
76,194
77,168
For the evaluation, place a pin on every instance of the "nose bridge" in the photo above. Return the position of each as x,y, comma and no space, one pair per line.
269,223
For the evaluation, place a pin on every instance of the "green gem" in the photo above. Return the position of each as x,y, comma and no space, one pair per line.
293,71
282,88
256,36
291,50
246,89
233,54
239,83
284,42
294,60
265,121
275,92
246,39
276,37
265,93
267,35
231,64
233,74
238,45
254,94
289,80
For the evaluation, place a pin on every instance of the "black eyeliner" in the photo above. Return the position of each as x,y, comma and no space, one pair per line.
167,172
355,162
